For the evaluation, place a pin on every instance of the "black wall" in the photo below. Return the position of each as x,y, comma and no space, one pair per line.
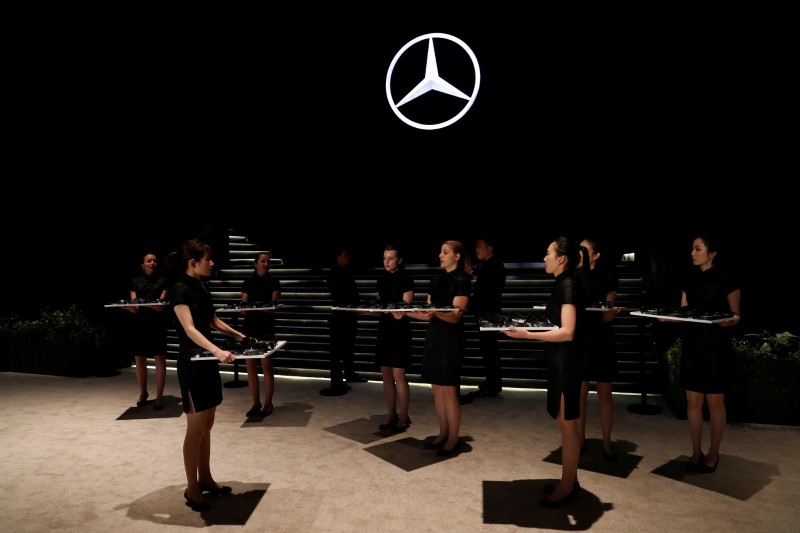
139,135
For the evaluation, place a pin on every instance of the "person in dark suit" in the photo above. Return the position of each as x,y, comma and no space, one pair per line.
487,295
343,325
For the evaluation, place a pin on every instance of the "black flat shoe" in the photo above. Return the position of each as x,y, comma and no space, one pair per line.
265,412
434,445
566,500
390,424
198,507
254,411
142,399
215,491
443,452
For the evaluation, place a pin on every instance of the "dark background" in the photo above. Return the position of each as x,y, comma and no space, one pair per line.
149,129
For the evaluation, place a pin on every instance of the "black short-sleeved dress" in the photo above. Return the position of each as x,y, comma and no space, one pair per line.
599,357
199,380
149,333
260,324
706,360
444,342
394,336
563,358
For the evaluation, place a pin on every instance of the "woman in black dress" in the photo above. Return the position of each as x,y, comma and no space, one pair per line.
565,308
150,330
393,350
705,363
260,287
599,362
444,342
201,386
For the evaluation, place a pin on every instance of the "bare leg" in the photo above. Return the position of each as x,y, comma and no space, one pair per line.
403,393
604,389
582,417
570,452
718,419
252,383
204,457
161,377
269,383
694,414
196,430
441,415
141,376
452,409
389,394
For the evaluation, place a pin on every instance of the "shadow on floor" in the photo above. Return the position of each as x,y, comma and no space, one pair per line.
735,476
168,507
173,408
516,503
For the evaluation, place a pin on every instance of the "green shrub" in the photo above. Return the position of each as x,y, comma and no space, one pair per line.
766,345
60,324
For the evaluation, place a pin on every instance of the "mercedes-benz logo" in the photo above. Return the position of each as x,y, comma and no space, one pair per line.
432,81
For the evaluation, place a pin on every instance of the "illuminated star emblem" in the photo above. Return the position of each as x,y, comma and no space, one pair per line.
433,82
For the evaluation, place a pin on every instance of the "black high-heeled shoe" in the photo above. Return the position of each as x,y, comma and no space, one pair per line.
214,490
158,405
142,399
198,507
551,487
433,445
705,469
402,427
444,452
390,424
696,467
554,504
254,411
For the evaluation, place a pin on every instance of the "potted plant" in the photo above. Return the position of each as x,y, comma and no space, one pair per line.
766,377
672,392
61,342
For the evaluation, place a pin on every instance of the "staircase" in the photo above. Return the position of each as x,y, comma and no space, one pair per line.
303,321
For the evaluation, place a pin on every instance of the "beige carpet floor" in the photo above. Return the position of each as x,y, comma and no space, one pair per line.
78,455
